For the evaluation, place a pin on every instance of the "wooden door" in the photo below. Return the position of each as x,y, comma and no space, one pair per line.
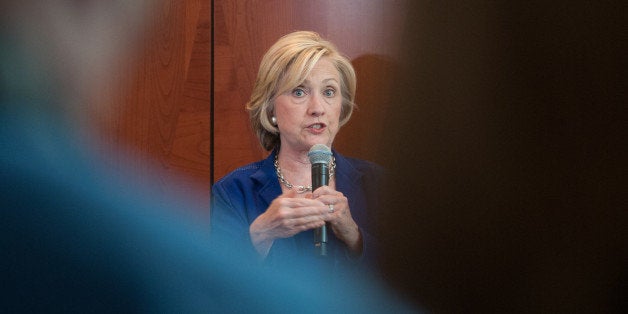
159,124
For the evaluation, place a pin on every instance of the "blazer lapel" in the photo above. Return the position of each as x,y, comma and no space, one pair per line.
347,176
269,187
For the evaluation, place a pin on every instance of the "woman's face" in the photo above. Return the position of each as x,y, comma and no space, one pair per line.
310,113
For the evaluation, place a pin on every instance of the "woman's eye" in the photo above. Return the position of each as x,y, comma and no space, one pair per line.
298,92
329,92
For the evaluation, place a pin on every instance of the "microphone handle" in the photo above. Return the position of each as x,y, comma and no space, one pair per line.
320,177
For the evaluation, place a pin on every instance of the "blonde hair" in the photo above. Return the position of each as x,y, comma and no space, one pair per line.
286,65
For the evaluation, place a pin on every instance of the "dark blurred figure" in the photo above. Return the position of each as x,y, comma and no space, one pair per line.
74,239
508,158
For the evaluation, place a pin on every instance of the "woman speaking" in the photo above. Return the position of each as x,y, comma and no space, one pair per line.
303,95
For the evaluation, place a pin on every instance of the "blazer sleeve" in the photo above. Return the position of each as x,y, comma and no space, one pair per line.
228,221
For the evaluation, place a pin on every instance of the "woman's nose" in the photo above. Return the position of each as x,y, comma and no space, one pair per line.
316,105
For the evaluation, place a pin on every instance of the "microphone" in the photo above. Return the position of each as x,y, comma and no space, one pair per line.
320,157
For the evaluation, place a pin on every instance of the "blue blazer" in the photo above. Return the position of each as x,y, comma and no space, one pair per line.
244,194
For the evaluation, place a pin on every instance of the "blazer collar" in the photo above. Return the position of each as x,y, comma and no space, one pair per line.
347,177
266,179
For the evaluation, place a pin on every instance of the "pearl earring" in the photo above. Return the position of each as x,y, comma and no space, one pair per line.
273,119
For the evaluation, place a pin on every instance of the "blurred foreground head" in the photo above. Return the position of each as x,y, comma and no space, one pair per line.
61,51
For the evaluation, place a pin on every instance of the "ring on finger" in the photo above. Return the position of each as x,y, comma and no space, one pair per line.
331,208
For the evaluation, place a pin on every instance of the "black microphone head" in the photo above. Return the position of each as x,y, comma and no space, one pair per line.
319,154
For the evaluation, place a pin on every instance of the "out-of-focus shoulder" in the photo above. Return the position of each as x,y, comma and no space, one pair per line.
240,173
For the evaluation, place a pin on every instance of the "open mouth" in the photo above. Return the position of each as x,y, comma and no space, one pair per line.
317,126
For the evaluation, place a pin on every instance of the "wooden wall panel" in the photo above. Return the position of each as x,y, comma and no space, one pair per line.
162,117
367,31
162,103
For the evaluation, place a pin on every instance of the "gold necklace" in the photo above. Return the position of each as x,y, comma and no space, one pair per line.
300,188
